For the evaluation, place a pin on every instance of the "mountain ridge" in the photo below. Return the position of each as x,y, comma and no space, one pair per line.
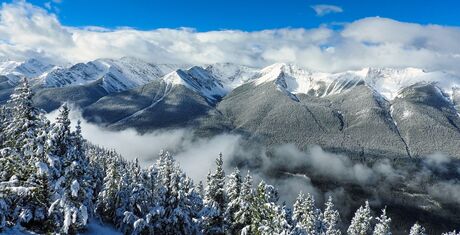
369,112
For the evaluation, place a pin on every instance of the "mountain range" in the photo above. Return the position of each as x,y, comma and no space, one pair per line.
370,112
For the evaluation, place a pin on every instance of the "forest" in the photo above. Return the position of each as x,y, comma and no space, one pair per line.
54,181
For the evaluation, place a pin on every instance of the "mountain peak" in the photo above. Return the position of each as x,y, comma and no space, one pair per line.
198,80
272,73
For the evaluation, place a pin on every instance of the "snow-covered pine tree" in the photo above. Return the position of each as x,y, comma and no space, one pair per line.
194,200
383,225
282,220
122,202
20,129
298,211
215,202
106,203
185,211
40,198
233,190
306,215
58,143
139,196
261,212
172,214
417,229
331,218
20,132
360,224
266,217
243,216
22,157
70,209
86,181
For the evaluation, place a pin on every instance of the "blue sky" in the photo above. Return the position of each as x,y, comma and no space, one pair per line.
407,33
247,15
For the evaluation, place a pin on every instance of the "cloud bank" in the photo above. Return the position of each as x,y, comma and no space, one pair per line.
30,31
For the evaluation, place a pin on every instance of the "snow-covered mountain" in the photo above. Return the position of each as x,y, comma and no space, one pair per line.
214,81
232,75
281,103
115,75
31,69
388,82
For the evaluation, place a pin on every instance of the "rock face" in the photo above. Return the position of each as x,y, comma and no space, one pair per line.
371,112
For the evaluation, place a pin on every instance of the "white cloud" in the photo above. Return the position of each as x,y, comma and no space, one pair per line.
195,155
323,9
30,31
47,5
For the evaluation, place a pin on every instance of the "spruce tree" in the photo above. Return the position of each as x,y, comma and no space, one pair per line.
266,214
70,210
106,202
215,201
331,218
233,193
243,217
306,215
360,224
417,229
21,131
172,214
383,225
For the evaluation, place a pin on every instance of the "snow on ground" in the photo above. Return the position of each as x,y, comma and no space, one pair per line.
96,228
93,228
17,230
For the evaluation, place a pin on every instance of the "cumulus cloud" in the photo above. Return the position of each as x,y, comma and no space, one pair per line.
30,31
323,9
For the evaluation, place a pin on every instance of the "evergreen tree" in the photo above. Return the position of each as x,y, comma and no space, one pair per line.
306,215
172,214
122,201
417,229
70,210
20,133
383,225
106,203
298,212
266,214
233,193
331,218
243,217
360,223
215,202
260,212
281,222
